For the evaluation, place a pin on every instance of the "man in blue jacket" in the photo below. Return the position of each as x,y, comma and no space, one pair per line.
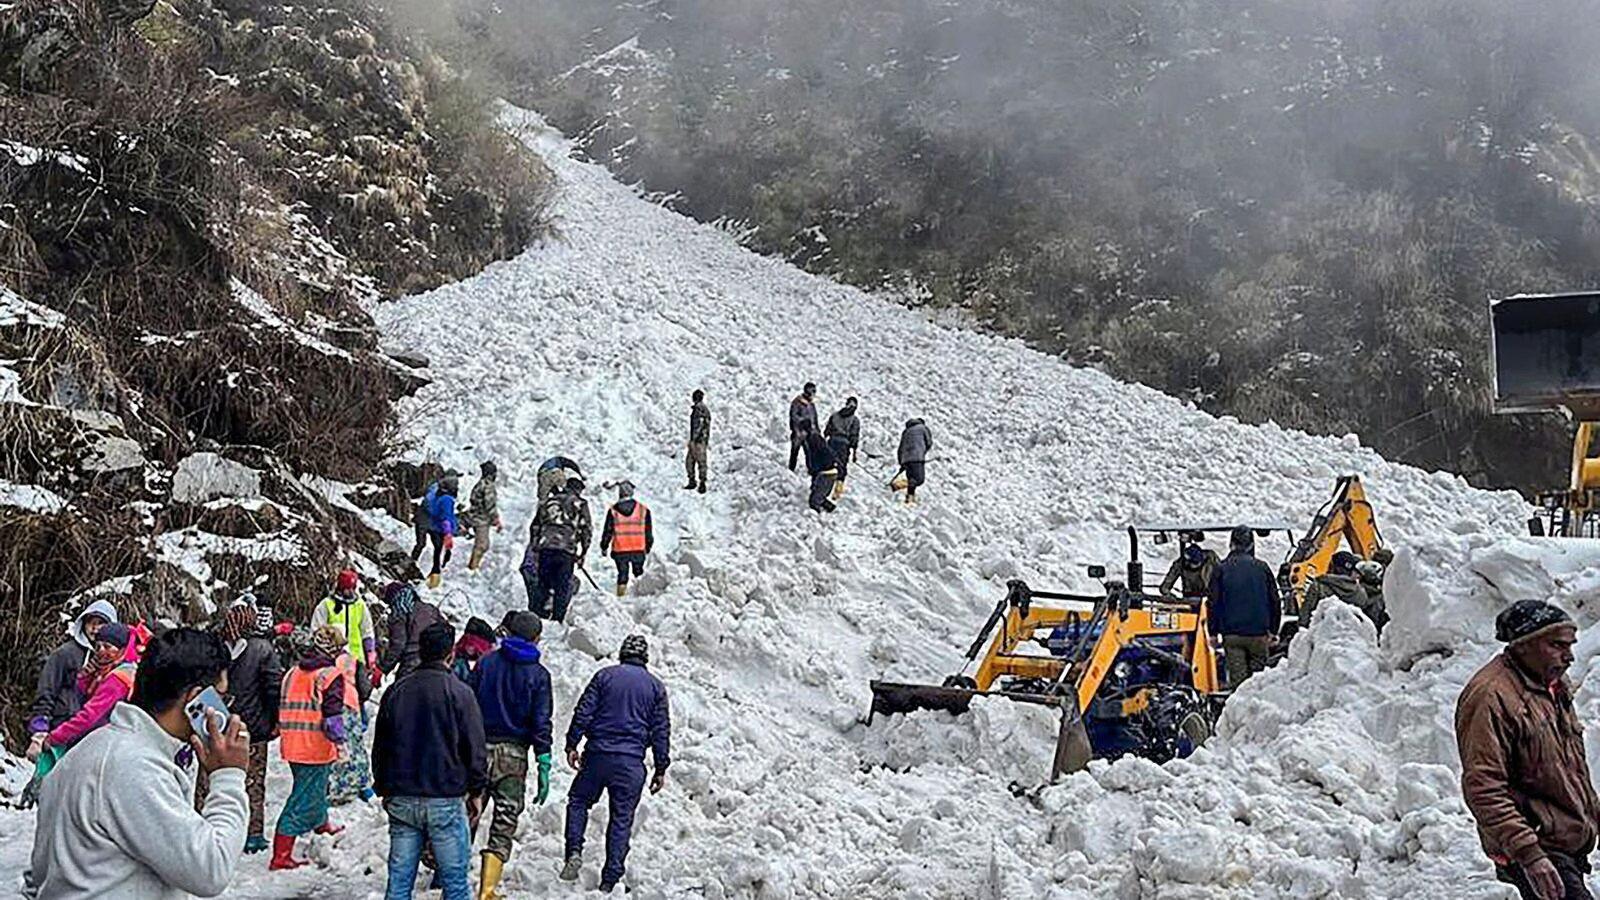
435,519
1244,608
513,690
621,712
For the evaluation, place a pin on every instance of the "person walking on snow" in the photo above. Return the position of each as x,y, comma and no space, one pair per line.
1523,771
435,520
408,616
482,514
347,611
629,534
823,467
56,698
106,680
477,641
430,759
514,695
316,698
802,421
561,533
695,460
255,695
843,432
1244,608
915,443
118,821
554,473
623,711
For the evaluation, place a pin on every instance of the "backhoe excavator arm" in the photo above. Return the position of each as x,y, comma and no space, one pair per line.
1347,518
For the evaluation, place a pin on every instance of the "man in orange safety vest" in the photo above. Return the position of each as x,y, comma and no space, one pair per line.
628,536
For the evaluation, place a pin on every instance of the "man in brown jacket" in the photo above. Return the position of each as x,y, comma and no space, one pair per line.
1523,771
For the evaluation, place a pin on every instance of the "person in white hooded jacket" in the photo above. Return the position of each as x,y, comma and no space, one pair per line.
57,698
116,817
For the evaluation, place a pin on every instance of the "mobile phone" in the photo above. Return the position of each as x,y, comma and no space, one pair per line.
208,700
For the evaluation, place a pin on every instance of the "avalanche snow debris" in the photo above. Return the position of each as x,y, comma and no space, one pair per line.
30,498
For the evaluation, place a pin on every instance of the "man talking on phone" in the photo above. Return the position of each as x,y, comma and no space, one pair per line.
116,817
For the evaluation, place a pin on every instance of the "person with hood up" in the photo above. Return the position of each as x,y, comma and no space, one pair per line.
117,820
843,432
1524,774
105,680
312,720
629,534
560,532
255,692
477,641
802,421
1244,608
56,698
823,467
408,616
1341,582
622,712
482,514
1370,573
514,695
435,520
915,443
1193,569
695,460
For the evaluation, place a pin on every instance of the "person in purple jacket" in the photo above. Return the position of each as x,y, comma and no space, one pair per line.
622,712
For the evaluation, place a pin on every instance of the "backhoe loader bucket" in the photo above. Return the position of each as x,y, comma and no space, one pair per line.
1547,353
1073,748
890,698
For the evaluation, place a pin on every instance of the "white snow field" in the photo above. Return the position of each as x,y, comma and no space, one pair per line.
1333,775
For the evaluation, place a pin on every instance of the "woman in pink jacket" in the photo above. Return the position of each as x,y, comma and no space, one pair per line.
106,680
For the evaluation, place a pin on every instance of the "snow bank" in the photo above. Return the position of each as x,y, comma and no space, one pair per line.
30,498
1332,775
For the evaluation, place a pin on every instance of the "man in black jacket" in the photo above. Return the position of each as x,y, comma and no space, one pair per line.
699,442
255,691
428,757
823,467
1245,609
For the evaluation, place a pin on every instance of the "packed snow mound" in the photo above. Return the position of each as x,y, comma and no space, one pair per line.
1332,775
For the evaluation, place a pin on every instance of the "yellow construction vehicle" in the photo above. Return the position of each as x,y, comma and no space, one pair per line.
1546,351
1345,520
1131,672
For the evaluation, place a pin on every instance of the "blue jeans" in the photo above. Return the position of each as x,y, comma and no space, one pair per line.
441,823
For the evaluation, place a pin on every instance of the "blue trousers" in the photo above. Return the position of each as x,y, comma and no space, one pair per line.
621,777
438,822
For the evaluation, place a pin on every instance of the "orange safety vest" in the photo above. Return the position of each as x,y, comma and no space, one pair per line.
627,532
300,717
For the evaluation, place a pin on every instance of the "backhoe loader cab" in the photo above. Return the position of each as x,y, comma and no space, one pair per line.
1546,351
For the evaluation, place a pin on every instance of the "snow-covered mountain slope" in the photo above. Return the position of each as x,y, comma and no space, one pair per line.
1332,775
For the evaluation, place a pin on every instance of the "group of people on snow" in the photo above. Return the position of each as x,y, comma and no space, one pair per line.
159,798
830,450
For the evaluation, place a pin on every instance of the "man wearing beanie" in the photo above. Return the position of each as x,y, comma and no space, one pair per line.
1523,771
622,712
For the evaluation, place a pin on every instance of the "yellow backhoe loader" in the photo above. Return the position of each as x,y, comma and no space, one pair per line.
1131,672
1546,351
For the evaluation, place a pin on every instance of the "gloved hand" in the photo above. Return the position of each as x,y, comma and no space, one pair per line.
343,751
449,542
498,525
544,780
36,746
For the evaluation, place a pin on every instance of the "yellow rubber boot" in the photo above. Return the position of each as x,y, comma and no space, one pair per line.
434,580
490,879
622,590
